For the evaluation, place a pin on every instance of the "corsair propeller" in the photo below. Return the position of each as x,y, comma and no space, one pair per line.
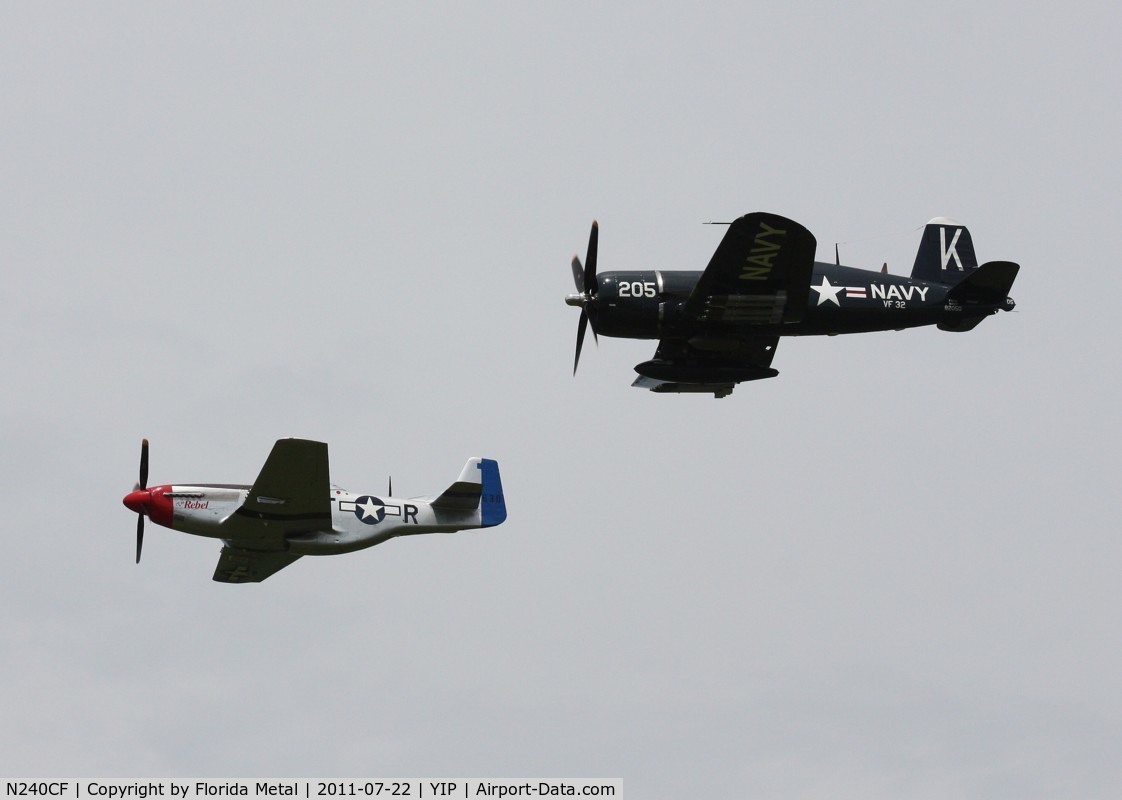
585,280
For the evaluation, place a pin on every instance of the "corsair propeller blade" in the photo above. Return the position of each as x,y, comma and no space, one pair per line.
590,287
580,337
578,274
139,535
585,280
590,261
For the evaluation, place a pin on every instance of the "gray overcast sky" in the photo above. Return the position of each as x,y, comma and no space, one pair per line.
892,571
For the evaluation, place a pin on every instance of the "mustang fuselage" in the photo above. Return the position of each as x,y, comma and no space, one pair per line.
293,510
355,521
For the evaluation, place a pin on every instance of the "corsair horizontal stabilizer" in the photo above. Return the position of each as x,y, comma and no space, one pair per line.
988,284
980,294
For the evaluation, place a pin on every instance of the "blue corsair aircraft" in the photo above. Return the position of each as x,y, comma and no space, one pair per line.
292,510
720,327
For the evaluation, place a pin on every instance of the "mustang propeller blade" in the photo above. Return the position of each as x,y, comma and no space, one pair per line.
144,464
143,485
585,280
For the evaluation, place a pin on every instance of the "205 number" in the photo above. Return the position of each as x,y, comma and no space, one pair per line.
637,289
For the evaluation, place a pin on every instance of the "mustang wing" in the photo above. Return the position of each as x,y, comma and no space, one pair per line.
294,485
242,565
290,496
759,275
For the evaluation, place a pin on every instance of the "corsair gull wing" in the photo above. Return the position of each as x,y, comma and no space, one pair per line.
704,364
759,274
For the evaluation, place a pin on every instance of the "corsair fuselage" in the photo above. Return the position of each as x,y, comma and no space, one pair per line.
646,305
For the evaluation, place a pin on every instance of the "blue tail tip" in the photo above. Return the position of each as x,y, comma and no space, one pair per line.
492,503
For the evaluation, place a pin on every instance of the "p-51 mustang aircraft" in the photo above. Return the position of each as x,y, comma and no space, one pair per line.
720,327
292,510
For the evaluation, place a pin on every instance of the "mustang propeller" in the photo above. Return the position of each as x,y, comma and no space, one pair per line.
585,280
140,497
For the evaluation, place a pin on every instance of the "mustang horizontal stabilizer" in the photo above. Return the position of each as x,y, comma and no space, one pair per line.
464,494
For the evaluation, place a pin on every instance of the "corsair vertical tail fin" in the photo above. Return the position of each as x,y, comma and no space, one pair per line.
946,252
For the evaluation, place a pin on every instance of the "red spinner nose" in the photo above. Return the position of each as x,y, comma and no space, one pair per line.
138,501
